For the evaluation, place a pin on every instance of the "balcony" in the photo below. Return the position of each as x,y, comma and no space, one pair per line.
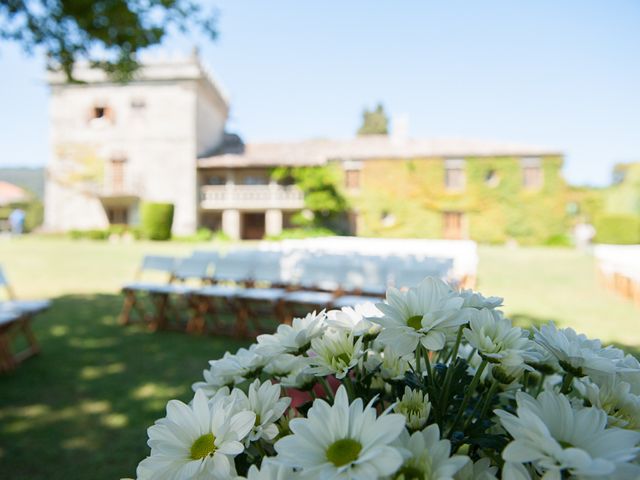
250,197
120,183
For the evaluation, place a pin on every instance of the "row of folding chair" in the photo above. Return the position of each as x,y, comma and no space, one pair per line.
248,284
619,269
15,321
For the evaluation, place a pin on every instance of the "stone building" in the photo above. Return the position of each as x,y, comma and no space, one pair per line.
162,138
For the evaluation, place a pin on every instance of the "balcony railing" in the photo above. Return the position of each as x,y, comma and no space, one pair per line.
120,183
251,197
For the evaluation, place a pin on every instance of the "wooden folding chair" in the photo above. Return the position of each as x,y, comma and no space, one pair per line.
156,292
12,325
319,279
230,274
266,293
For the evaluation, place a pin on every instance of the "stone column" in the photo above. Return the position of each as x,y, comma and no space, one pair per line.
231,223
273,222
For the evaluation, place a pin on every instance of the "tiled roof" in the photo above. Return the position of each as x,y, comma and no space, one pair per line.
320,151
10,193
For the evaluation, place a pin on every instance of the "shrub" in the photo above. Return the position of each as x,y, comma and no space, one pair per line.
560,240
92,234
156,220
203,234
618,229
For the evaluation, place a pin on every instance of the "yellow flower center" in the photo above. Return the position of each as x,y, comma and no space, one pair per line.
203,446
415,322
343,451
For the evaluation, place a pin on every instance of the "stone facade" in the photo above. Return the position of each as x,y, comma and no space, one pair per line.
116,145
161,137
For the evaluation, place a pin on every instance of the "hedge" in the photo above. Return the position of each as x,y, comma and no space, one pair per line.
156,220
618,229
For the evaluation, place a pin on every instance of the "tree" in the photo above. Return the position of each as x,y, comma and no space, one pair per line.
107,33
374,122
322,195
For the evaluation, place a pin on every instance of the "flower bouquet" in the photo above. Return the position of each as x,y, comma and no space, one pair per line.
432,383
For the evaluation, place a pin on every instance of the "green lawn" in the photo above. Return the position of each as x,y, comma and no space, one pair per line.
81,408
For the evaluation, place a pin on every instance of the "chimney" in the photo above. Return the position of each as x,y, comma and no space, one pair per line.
400,128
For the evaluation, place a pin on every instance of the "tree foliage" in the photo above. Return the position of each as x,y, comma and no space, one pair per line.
374,122
107,33
322,194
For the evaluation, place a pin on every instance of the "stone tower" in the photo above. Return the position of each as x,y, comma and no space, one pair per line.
117,145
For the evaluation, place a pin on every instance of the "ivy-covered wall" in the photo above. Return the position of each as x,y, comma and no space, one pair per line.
624,196
407,198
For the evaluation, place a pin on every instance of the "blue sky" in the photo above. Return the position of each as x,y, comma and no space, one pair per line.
561,74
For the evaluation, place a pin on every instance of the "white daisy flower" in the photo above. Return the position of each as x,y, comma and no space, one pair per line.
336,352
391,365
342,442
477,300
425,314
231,369
299,378
196,441
576,353
294,338
291,370
264,400
496,339
614,397
629,371
426,456
356,319
283,364
559,438
415,407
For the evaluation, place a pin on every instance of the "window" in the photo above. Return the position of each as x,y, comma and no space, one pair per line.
532,177
254,179
453,225
454,175
216,180
352,179
492,179
101,113
117,169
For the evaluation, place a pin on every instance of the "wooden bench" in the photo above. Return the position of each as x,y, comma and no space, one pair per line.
13,324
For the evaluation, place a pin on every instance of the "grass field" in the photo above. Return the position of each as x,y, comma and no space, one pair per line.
81,408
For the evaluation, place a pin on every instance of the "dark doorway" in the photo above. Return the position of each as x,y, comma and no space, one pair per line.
253,226
118,215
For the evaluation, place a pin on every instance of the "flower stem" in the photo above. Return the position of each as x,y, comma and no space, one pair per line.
566,383
467,396
351,393
427,364
418,358
327,388
490,395
540,385
447,378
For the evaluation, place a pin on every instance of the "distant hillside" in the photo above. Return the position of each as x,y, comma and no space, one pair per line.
31,179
